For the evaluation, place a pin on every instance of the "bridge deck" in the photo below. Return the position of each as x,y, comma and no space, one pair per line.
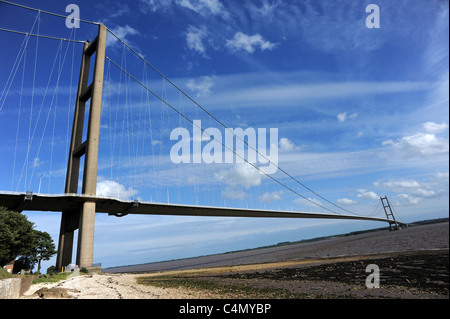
67,202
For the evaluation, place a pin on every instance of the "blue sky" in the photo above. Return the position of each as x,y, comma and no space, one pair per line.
360,113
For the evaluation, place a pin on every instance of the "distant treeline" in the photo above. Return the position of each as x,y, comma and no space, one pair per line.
430,221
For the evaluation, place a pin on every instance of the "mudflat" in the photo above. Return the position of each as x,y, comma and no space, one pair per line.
416,238
413,263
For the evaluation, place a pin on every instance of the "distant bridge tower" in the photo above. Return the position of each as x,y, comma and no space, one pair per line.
389,213
84,219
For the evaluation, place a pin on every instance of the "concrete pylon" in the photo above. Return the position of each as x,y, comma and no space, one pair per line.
84,219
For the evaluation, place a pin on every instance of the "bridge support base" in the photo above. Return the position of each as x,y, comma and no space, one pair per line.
85,250
69,223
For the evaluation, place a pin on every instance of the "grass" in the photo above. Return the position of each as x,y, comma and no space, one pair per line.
51,278
41,279
4,274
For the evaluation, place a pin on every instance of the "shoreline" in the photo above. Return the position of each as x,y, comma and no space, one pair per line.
413,264
332,278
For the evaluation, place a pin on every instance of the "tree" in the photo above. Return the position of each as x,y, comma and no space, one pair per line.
16,235
23,262
52,270
43,249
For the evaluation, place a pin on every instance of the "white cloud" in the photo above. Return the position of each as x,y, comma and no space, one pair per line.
405,199
271,197
234,193
258,91
363,194
240,174
249,43
237,178
442,177
266,10
122,33
431,127
156,5
423,144
343,116
400,184
411,187
195,38
37,162
109,188
334,26
204,7
285,145
201,88
412,192
424,193
346,201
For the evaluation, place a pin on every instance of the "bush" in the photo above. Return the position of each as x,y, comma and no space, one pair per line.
4,274
52,270
84,270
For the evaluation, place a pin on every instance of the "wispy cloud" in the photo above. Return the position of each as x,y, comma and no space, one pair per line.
195,38
204,7
342,117
201,87
433,128
249,43
346,201
123,32
411,191
262,94
155,5
266,10
271,197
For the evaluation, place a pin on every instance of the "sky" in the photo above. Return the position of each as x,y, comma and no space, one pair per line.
359,113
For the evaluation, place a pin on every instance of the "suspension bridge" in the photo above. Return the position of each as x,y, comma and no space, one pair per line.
126,140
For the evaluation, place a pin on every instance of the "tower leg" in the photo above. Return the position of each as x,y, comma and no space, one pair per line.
69,222
85,248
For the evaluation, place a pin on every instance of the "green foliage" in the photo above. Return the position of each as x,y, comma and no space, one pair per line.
18,238
84,270
43,249
52,270
16,235
23,262
4,274
52,278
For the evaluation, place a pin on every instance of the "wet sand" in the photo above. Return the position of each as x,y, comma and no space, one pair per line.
416,238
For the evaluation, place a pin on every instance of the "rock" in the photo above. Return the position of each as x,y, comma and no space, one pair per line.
10,288
54,293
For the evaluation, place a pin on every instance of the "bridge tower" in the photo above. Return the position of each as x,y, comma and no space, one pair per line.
84,218
389,213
